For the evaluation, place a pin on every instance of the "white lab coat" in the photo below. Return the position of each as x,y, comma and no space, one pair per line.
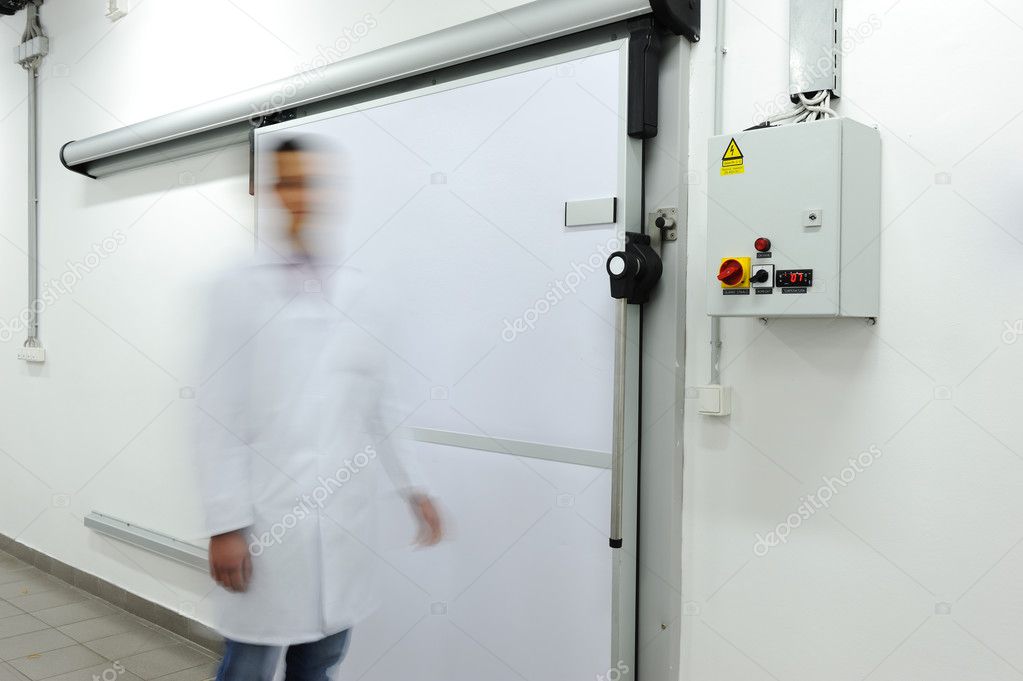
294,391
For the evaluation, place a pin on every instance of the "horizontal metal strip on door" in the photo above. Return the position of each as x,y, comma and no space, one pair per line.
497,445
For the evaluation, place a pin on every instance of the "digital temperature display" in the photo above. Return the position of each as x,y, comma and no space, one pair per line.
789,278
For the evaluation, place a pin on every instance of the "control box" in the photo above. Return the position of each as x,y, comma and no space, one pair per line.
794,221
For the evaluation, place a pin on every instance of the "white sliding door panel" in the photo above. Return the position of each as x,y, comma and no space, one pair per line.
500,327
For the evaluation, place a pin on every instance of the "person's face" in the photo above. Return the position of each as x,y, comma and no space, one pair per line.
300,183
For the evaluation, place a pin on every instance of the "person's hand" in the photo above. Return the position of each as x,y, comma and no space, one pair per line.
431,530
230,563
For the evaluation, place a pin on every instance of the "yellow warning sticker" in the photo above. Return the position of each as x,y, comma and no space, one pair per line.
732,161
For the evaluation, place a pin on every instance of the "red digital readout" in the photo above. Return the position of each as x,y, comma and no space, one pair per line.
794,278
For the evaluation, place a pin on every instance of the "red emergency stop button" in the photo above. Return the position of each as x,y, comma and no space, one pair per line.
763,244
730,272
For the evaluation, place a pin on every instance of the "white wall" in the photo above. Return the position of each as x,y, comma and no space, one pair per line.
913,571
102,425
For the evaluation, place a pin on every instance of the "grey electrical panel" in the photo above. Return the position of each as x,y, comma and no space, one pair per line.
815,56
794,222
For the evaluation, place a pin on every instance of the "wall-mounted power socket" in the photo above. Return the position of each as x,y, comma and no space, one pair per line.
30,354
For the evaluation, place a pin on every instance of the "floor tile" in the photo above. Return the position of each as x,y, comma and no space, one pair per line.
9,673
100,627
36,642
51,631
7,561
15,573
34,582
48,599
129,643
164,661
19,624
74,612
200,673
108,671
54,662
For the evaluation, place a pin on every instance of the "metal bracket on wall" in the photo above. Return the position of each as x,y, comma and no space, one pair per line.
681,17
644,74
665,220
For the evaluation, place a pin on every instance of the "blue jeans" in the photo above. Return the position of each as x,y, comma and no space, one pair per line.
302,662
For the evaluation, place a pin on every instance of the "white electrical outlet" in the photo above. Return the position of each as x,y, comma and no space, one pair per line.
30,354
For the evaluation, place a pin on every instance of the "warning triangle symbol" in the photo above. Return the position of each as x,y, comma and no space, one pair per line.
732,152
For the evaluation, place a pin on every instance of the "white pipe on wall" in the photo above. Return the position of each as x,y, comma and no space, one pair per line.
719,106
33,206
34,39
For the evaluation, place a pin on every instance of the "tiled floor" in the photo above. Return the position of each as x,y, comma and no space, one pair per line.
50,630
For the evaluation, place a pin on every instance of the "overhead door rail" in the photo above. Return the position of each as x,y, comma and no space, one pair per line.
228,120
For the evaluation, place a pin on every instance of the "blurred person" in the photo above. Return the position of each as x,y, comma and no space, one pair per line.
294,424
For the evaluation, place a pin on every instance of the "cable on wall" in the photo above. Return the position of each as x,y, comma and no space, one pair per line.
814,108
815,61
